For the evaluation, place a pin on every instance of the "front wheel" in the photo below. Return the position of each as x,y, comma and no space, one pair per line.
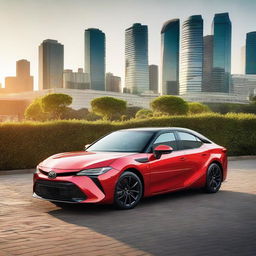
128,191
213,179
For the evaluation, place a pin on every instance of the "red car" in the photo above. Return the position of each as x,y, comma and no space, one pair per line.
126,165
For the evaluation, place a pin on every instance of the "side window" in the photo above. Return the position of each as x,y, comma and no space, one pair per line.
189,141
166,139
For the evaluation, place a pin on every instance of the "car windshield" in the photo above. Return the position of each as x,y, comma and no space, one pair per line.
123,141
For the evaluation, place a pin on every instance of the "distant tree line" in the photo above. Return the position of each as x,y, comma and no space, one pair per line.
57,106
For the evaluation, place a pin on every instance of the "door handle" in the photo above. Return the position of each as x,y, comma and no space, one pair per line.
203,154
182,158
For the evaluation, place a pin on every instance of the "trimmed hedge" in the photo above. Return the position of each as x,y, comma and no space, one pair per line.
24,145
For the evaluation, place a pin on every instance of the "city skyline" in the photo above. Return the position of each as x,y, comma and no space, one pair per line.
39,20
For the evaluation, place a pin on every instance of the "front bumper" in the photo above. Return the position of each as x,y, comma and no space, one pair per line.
75,189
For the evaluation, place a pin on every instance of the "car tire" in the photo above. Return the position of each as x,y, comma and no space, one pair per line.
128,191
213,178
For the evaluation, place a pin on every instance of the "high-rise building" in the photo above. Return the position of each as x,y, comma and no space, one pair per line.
170,50
94,58
113,83
75,80
221,53
153,78
191,55
136,59
22,82
51,64
250,67
207,64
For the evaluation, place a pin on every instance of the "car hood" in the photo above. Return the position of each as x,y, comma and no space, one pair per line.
81,160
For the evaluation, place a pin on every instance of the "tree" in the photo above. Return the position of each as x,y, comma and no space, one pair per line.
34,111
144,113
108,107
169,105
197,108
55,104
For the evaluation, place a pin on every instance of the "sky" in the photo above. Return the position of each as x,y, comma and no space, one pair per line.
24,24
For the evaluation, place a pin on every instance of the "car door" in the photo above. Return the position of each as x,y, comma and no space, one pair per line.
195,156
166,172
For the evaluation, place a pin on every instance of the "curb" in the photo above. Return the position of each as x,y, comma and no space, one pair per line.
24,171
234,158
20,171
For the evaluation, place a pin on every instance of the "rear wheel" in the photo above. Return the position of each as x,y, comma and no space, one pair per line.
213,179
128,191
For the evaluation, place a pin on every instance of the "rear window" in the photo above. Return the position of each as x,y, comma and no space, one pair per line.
189,141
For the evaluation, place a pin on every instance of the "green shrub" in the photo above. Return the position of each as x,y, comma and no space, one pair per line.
24,145
144,113
169,105
197,108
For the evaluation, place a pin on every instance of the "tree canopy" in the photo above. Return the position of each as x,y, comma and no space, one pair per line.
34,111
55,104
108,107
169,105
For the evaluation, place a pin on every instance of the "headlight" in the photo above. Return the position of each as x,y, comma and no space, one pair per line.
94,172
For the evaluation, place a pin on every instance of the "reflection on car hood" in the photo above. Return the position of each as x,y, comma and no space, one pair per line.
80,160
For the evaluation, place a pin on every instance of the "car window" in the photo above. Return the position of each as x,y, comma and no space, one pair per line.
122,141
166,139
189,141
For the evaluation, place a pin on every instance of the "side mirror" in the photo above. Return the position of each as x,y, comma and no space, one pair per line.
87,146
162,149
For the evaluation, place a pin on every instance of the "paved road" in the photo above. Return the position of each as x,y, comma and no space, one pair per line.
182,223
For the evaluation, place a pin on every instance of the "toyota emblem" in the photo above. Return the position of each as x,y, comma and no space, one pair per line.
52,175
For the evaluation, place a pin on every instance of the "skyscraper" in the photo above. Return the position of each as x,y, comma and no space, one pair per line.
113,83
153,78
94,58
250,67
221,53
191,55
136,59
207,64
51,64
22,82
170,43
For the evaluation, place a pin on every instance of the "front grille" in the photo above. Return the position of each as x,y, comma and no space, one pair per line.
59,190
60,174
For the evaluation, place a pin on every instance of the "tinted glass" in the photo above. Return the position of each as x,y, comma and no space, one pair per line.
123,141
166,139
189,141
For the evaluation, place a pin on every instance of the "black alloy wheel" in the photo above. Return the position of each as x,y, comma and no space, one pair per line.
214,178
128,191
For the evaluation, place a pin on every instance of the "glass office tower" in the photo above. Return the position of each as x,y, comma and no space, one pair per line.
250,66
170,43
94,58
207,64
221,53
191,55
136,59
51,64
153,78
